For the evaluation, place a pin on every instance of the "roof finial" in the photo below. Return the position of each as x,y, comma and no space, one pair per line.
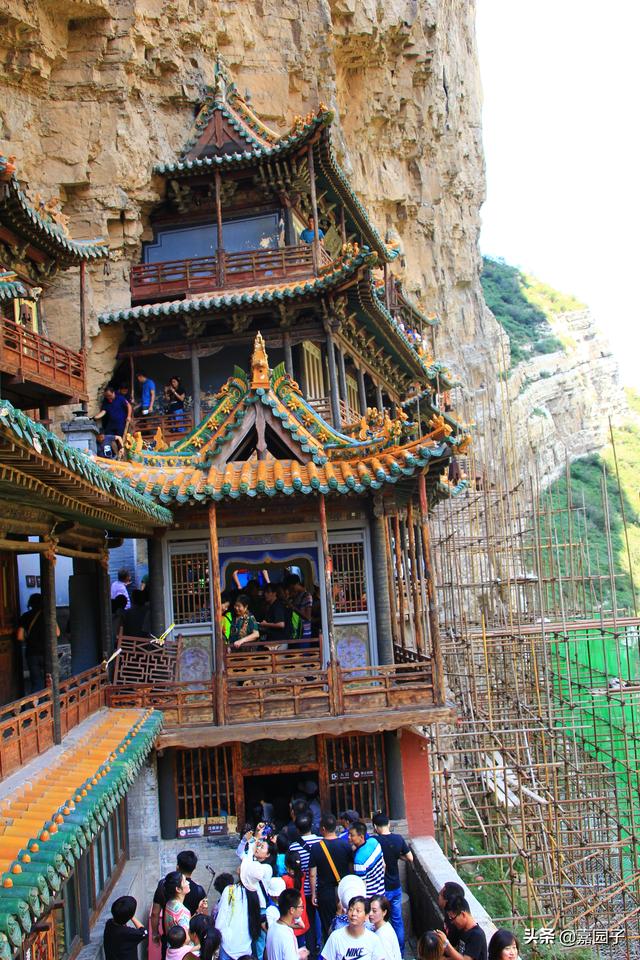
221,79
259,364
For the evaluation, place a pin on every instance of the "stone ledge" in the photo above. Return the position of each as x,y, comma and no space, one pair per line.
433,870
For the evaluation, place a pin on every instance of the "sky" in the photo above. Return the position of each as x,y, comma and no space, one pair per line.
561,129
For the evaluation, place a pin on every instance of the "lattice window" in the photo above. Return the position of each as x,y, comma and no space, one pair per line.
355,767
349,584
190,587
204,783
143,661
313,370
353,398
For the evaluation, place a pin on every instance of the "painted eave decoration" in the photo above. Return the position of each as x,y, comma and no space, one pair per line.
379,452
16,428
42,224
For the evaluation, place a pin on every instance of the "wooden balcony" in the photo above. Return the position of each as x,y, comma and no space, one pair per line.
173,426
246,268
26,725
290,690
36,370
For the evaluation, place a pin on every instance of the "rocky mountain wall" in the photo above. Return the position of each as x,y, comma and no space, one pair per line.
95,92
561,402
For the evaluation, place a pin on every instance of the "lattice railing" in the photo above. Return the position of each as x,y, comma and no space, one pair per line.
26,725
34,358
243,268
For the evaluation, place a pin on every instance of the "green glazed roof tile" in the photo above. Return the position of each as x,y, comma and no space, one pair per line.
41,439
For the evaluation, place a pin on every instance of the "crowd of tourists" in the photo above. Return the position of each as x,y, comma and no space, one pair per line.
117,410
252,616
298,894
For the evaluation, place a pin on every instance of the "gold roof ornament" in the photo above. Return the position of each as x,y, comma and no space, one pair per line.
259,365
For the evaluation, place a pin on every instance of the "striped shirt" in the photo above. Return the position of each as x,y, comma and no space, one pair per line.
303,849
368,863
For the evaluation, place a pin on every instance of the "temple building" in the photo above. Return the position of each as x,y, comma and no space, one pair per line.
66,763
295,450
304,433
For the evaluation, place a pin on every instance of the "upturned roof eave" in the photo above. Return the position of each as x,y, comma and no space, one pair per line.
35,438
18,215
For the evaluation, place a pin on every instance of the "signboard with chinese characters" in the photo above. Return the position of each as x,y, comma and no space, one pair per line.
216,827
351,776
194,830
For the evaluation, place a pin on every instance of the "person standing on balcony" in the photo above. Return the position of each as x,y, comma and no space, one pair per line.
31,634
301,601
308,234
147,393
394,849
175,396
114,414
244,629
275,618
119,588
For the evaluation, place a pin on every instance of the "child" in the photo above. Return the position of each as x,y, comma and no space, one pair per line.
120,940
282,846
294,880
177,945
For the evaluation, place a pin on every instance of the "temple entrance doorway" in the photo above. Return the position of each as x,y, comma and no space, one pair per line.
276,789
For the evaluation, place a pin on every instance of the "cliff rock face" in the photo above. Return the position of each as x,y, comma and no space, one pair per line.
95,92
561,402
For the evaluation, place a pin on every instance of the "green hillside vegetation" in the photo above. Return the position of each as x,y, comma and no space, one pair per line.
524,306
586,482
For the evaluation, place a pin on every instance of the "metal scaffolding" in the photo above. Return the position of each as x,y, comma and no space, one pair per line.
537,787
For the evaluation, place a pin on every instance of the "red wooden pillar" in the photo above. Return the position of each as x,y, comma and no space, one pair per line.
416,780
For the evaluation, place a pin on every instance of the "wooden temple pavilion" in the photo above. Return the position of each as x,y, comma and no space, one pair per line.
301,461
35,245
64,824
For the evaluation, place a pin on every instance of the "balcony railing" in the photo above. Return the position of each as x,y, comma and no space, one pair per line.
32,358
26,725
322,405
245,268
173,426
279,684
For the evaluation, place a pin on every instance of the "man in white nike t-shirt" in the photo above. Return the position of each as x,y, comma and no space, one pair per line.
281,940
354,942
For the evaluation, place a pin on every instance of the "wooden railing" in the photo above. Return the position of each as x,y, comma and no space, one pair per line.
322,406
244,268
33,358
173,425
26,725
403,655
282,685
